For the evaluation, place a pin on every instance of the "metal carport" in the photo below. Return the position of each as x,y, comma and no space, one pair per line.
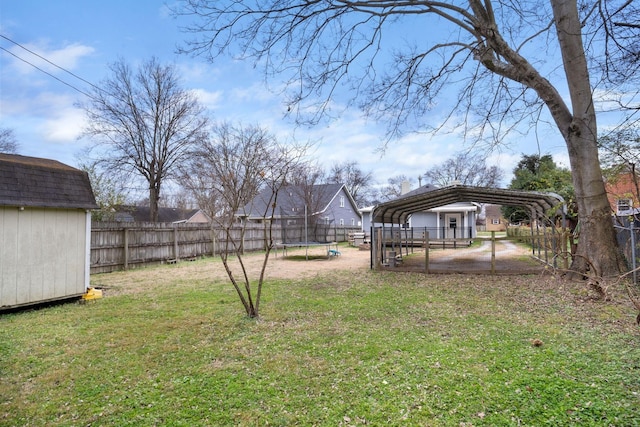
542,205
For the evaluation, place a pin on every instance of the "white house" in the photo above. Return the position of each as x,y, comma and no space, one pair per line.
45,224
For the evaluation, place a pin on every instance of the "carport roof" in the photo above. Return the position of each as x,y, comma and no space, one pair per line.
428,197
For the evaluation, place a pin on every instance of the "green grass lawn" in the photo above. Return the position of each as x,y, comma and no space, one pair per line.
345,348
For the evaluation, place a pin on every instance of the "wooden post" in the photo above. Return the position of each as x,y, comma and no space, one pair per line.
426,251
378,247
564,237
126,247
176,253
213,242
493,252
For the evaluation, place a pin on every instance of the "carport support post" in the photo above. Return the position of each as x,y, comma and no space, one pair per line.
563,244
545,237
493,252
533,243
379,254
426,251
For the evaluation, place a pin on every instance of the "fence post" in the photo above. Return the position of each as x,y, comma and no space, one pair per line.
493,252
633,250
125,229
213,242
176,253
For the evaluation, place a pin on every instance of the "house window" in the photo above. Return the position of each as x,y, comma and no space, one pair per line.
341,221
342,201
353,221
495,221
624,205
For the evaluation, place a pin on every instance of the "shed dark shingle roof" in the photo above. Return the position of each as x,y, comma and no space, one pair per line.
34,182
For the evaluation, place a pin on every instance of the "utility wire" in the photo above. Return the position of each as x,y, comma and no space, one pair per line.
46,72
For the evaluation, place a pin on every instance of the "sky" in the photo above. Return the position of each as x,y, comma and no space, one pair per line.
83,37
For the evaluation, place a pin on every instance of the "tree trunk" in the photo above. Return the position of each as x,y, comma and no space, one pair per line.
153,204
597,245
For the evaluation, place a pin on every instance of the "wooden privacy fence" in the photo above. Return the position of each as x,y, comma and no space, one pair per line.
122,246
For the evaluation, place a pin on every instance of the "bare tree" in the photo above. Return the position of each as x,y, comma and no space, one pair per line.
145,123
309,195
8,142
466,169
225,175
488,50
620,154
393,189
620,150
620,60
108,191
358,182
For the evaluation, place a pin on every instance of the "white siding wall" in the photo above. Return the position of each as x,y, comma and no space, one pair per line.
42,254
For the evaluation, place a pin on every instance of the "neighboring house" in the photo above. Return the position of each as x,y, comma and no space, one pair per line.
622,194
173,215
455,220
45,224
326,204
494,221
366,219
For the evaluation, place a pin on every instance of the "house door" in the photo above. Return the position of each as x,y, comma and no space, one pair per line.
452,225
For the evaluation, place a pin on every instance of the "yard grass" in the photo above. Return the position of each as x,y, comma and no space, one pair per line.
342,348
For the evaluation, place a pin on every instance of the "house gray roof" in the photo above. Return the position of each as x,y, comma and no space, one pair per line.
291,201
34,182
429,197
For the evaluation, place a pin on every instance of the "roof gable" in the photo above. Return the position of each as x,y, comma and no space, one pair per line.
291,201
34,182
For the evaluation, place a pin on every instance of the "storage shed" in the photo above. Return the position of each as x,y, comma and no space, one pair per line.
45,230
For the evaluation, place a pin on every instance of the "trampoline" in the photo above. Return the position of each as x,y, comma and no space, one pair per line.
331,248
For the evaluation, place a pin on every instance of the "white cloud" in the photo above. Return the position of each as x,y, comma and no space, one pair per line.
66,57
64,127
210,100
562,159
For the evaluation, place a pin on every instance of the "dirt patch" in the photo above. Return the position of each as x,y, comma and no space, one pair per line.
211,269
510,258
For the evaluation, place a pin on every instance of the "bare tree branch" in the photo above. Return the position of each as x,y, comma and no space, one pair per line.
144,122
225,175
8,142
